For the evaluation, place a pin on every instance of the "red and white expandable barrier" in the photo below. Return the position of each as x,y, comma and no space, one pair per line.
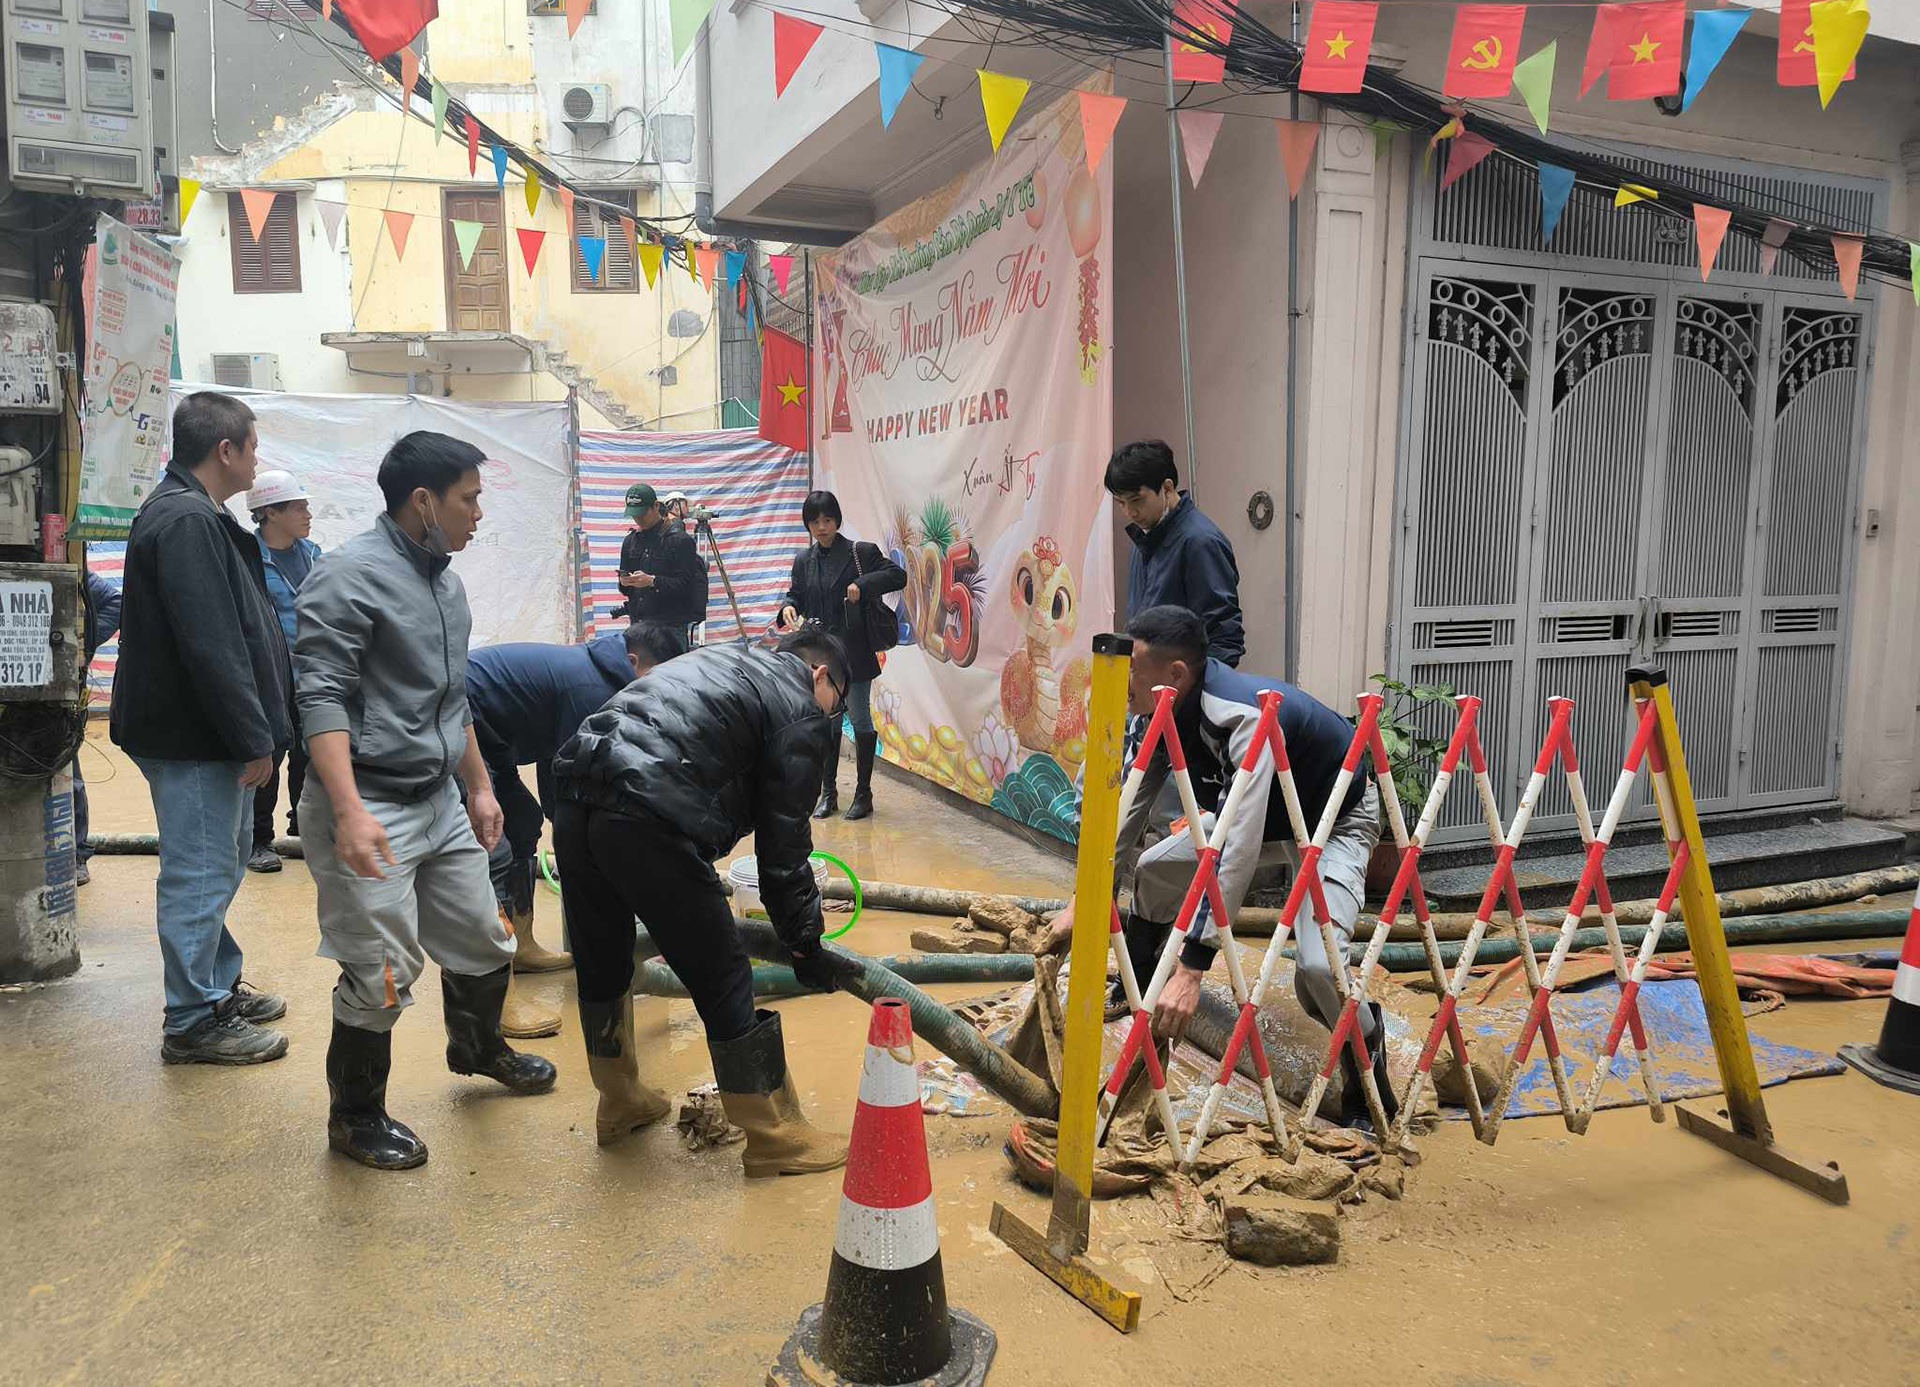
1306,883
1406,882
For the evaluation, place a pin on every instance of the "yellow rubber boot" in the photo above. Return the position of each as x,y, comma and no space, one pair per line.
626,1104
529,955
757,1092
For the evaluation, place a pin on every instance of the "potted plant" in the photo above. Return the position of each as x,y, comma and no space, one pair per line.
1414,754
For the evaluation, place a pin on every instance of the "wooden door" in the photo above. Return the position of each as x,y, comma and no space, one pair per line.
477,292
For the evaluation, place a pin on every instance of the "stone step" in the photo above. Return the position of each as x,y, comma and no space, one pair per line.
1758,857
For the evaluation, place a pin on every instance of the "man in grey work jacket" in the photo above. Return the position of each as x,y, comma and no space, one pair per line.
400,865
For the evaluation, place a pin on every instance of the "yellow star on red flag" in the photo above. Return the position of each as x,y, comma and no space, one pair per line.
790,393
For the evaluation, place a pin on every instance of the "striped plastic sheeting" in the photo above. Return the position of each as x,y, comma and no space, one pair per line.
754,488
109,561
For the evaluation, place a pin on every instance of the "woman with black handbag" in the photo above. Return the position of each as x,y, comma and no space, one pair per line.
839,584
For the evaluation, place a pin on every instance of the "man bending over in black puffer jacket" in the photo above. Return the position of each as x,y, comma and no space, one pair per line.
674,771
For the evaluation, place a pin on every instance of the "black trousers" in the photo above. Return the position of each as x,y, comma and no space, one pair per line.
268,795
514,863
614,869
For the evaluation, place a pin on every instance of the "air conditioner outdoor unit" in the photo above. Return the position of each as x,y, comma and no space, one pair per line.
247,370
587,104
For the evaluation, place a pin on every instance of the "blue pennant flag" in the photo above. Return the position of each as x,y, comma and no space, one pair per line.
897,67
1556,185
500,165
736,266
1713,35
593,250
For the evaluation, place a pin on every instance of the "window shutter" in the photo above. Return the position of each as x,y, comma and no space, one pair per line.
618,273
271,264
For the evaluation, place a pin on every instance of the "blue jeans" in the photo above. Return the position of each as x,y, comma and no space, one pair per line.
860,705
206,833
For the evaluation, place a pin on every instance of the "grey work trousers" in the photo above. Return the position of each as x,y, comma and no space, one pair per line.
436,902
1165,872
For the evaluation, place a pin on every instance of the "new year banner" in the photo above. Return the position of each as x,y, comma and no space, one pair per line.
963,415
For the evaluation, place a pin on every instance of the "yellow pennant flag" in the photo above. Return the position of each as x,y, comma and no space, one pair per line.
1839,28
1001,96
1632,192
650,253
189,190
533,192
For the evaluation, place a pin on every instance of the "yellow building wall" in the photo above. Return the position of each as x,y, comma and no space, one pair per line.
619,339
481,41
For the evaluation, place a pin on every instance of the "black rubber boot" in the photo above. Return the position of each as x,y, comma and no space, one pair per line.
357,1121
1353,1097
474,1042
864,745
829,804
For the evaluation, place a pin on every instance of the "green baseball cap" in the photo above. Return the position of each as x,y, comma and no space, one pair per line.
640,498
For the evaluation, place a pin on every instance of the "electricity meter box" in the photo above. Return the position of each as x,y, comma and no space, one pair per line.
79,99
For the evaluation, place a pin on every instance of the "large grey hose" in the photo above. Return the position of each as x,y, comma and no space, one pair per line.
657,980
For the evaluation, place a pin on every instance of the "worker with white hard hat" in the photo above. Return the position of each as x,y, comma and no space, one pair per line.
282,521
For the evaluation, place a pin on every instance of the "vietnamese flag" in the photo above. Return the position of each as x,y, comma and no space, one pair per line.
783,391
1213,18
1486,44
1639,48
1338,40
384,27
1795,66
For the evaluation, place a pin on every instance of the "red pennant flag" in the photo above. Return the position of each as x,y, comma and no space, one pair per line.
409,78
529,244
473,145
783,390
1486,44
259,204
782,267
398,225
1639,47
1795,66
576,11
384,27
1709,230
566,204
1212,18
1338,41
1465,153
1297,139
1846,256
793,39
707,260
1098,116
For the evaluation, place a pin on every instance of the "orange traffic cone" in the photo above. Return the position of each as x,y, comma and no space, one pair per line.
885,1319
1895,1062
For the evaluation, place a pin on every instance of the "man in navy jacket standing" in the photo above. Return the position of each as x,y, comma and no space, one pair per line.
1180,558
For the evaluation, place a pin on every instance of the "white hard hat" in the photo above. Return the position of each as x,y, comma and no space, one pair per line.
272,488
673,496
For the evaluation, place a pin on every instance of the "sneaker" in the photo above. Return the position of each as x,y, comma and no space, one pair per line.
226,1037
81,874
264,859
257,1006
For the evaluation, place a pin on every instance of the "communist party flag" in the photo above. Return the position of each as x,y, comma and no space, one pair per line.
1795,66
783,391
1213,18
1639,48
1338,40
1486,44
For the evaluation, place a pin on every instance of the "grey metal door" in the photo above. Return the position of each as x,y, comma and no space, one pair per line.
1606,469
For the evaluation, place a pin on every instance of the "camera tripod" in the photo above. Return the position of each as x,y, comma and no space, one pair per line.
703,530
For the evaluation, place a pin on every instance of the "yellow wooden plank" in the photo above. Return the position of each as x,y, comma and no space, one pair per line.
1115,1304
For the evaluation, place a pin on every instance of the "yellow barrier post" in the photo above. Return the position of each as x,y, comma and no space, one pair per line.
1059,1252
1747,1133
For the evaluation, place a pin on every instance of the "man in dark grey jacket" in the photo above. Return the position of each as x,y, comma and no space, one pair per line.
399,864
201,704
1180,557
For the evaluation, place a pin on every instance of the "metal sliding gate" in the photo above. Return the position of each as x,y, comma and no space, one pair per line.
1604,466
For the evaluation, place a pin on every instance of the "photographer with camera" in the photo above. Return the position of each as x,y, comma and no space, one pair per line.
661,572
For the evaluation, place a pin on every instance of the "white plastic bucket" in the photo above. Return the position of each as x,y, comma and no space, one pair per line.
744,876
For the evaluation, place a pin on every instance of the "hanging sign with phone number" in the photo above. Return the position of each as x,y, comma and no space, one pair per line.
26,635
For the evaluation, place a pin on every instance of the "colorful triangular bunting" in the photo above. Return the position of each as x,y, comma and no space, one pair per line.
473,145
1630,193
1771,239
1000,97
530,240
1839,28
1713,34
1913,268
259,204
1463,155
1098,116
331,215
466,235
793,39
440,112
897,67
1297,139
686,17
566,207
1556,186
1198,130
650,253
409,79
782,268
531,186
1709,230
576,11
500,166
1846,249
1533,79
706,263
399,224
593,250
736,266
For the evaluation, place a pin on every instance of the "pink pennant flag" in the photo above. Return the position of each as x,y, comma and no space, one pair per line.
1464,154
398,225
1774,237
1709,230
1297,139
566,203
409,79
782,267
259,204
1846,256
1198,130
330,215
1098,115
